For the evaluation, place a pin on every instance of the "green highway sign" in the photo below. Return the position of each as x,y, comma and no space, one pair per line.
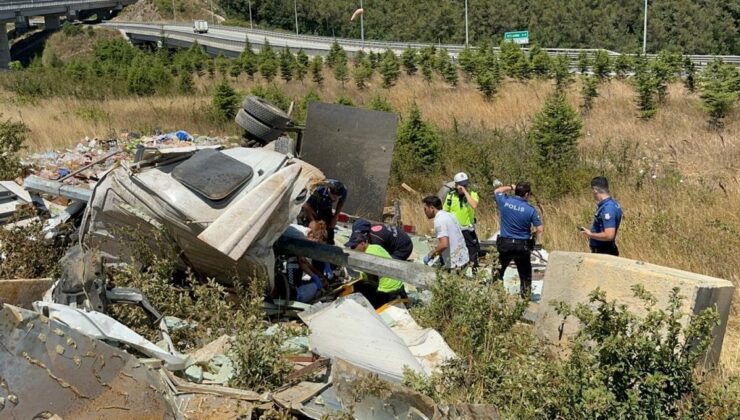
518,37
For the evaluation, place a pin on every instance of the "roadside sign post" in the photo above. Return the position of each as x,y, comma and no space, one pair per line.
518,37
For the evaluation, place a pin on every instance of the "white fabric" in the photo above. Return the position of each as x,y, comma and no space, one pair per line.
456,254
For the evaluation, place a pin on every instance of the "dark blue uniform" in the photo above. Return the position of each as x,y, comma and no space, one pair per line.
514,240
395,241
608,215
322,204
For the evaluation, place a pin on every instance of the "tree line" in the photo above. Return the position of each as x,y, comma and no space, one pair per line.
687,26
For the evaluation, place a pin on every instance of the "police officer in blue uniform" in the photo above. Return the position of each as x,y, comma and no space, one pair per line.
514,242
321,206
603,233
395,241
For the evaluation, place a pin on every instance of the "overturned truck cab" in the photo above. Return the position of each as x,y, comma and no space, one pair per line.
222,209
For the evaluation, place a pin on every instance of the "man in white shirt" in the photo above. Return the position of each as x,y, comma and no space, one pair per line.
451,242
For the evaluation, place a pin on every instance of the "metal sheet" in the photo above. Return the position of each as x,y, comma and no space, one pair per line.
47,368
354,146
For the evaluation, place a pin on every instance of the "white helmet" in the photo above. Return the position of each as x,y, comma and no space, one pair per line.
461,178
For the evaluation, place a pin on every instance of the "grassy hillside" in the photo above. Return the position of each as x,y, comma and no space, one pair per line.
676,179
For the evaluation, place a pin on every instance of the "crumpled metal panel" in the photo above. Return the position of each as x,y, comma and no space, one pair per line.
354,146
47,368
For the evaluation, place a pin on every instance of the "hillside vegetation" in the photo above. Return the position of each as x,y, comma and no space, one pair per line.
689,26
668,139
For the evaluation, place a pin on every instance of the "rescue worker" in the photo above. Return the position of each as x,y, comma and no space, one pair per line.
378,291
321,206
451,243
462,204
602,236
395,241
514,242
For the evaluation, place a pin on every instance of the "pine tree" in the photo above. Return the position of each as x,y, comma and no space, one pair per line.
362,73
287,64
343,100
379,103
358,58
486,84
663,73
426,60
301,65
514,62
317,70
341,72
248,59
374,59
720,84
185,83
644,84
555,131
541,63
210,67
268,62
689,80
335,52
449,73
408,58
235,68
222,64
468,63
561,72
225,100
622,66
589,92
389,69
583,62
602,66
418,145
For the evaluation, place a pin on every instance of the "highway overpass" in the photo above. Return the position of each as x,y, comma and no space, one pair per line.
230,40
19,12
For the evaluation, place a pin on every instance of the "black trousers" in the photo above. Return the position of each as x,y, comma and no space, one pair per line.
375,297
473,245
610,249
519,251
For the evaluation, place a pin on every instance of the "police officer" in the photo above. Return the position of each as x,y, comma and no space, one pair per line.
603,233
462,203
396,242
514,239
320,206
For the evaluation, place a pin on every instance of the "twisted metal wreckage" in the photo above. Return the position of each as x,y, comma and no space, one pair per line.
226,211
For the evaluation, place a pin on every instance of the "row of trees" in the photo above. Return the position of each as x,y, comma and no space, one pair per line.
689,26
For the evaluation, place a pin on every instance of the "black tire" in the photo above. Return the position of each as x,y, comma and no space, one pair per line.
265,112
285,145
255,128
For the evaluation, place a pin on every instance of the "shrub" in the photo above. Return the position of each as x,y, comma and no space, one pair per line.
622,66
301,65
561,72
12,136
362,73
719,91
408,58
514,62
25,255
644,84
225,101
418,146
541,62
689,80
272,94
583,62
602,65
556,130
287,64
389,69
317,66
379,103
336,52
185,83
589,92
268,62
71,30
468,63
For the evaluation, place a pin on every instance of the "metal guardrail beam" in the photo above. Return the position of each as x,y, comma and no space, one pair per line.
37,184
18,6
183,32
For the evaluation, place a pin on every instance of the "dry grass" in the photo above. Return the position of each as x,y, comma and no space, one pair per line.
66,47
693,225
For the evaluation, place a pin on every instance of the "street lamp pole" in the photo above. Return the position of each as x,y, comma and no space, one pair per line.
173,11
295,11
251,25
362,24
644,29
466,23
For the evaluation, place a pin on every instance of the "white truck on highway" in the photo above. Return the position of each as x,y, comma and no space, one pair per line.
200,26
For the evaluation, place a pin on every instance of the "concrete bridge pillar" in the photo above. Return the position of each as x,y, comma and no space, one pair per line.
4,47
22,24
51,22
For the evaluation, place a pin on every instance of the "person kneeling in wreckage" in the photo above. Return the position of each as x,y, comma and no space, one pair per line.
378,291
298,267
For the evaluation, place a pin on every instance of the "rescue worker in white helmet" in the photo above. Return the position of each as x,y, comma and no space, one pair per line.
462,203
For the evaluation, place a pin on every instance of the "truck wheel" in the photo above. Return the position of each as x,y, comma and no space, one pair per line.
265,112
256,128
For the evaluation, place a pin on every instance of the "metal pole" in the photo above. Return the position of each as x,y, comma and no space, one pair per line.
173,11
644,29
295,11
362,24
466,23
251,26
212,15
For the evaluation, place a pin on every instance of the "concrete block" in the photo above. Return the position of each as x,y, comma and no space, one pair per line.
51,22
23,292
571,276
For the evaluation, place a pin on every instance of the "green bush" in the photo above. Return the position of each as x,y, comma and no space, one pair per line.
12,136
70,30
272,94
418,147
225,101
720,87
